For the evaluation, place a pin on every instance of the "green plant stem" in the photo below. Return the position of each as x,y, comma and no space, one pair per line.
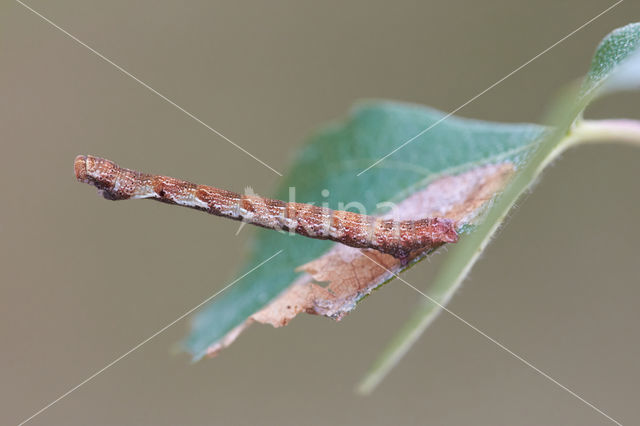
450,279
596,131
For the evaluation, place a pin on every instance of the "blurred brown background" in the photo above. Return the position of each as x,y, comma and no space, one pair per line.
83,280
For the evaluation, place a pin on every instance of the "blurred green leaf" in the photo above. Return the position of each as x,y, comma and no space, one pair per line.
615,60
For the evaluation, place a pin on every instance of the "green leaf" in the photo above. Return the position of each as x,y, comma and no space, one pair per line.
330,161
615,66
615,60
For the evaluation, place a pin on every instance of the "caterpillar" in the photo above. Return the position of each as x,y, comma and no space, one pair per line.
395,237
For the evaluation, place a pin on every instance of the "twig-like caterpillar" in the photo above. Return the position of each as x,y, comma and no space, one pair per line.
398,238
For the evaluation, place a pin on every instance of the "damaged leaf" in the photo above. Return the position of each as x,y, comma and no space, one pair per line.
336,281
325,173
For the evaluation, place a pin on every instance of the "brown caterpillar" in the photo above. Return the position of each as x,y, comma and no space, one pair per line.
397,238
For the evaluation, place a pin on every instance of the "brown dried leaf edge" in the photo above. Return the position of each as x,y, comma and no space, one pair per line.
348,274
